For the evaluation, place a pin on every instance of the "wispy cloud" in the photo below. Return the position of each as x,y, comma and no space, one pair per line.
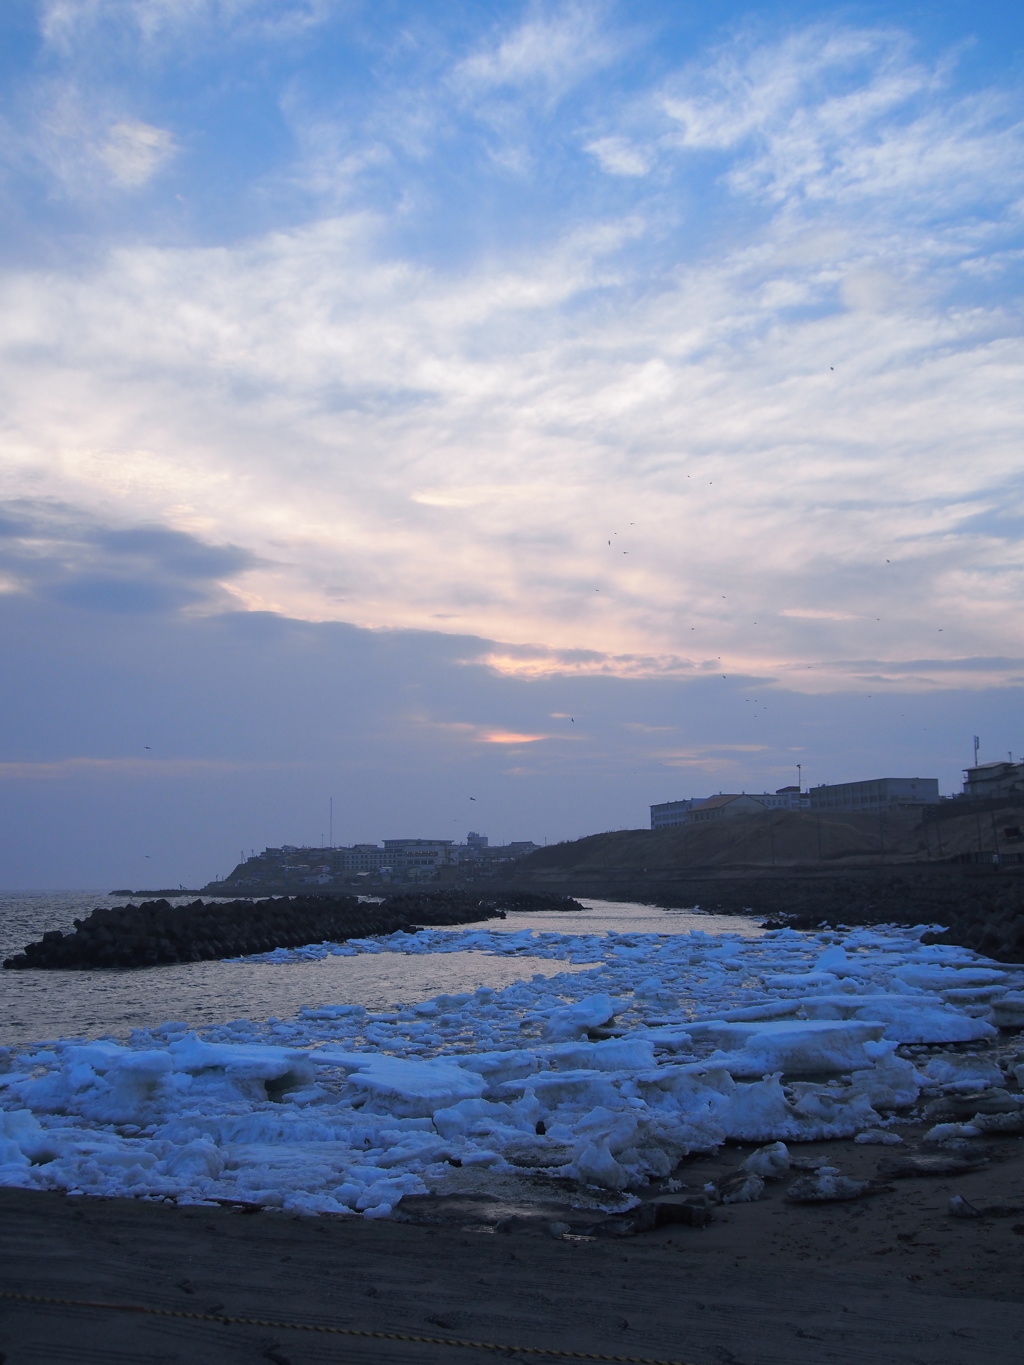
135,151
510,737
553,48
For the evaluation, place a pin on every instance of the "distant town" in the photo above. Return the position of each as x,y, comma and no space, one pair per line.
294,868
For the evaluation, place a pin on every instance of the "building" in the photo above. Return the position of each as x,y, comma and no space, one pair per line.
994,780
419,857
723,805
880,793
783,798
669,813
479,854
360,858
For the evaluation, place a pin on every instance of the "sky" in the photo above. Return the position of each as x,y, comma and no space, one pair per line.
497,416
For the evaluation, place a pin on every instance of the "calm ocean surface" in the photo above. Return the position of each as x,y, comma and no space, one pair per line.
37,1005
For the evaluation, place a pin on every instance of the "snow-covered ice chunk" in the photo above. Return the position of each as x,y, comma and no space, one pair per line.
612,1054
770,1162
907,1019
800,981
1008,1011
573,1021
936,978
411,1087
826,1184
796,1046
963,1071
837,961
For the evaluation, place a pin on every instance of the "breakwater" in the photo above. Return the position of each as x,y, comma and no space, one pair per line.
155,932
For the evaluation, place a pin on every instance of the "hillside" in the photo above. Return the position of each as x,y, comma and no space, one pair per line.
807,868
787,840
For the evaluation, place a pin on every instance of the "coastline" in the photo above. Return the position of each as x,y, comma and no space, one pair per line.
891,1278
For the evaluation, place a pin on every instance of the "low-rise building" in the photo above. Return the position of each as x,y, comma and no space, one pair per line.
669,813
876,794
994,780
360,858
783,798
723,805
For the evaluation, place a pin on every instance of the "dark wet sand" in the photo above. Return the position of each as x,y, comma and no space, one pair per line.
891,1278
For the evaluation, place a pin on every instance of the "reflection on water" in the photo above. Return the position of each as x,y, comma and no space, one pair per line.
46,1004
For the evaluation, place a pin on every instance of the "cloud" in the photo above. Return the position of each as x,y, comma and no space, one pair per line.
152,24
51,550
286,714
618,438
618,156
510,737
554,48
479,733
133,152
60,770
817,614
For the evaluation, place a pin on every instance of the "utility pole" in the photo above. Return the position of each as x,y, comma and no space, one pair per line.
330,820
977,745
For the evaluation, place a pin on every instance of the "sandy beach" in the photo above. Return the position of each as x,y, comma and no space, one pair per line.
887,1278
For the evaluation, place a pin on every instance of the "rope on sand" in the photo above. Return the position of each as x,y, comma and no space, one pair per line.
334,1331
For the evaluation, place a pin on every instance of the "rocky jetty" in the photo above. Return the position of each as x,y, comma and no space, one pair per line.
462,907
993,926
156,932
984,914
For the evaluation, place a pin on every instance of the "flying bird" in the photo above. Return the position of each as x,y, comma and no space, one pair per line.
472,798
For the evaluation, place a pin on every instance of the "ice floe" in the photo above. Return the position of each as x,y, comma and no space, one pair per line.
664,1045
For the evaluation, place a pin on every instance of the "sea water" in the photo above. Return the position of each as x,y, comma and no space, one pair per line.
36,1005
